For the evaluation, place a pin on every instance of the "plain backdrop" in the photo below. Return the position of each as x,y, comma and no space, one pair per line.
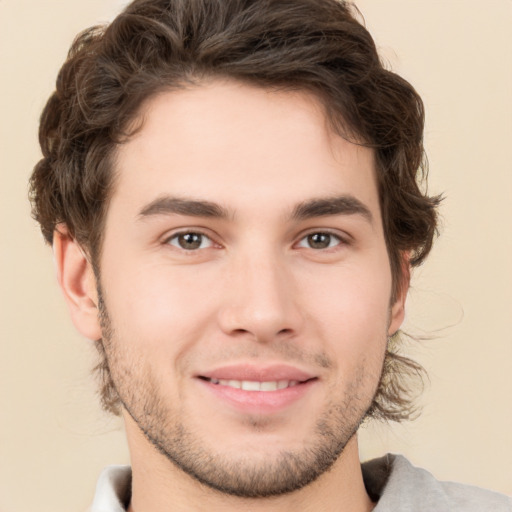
54,439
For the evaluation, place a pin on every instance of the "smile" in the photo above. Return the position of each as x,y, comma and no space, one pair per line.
252,385
250,391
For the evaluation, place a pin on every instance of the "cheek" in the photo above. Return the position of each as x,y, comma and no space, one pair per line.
156,307
351,310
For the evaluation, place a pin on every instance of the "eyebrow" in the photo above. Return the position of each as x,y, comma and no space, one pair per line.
339,205
168,205
318,207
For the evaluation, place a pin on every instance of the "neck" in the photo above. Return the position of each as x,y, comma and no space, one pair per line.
159,486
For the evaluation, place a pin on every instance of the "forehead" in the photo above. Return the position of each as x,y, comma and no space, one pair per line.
242,146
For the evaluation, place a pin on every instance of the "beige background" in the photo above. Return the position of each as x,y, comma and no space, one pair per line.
54,439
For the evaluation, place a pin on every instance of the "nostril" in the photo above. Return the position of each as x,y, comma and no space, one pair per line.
240,331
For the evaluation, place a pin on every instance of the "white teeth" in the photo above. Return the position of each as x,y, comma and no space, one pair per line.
251,385
230,383
268,386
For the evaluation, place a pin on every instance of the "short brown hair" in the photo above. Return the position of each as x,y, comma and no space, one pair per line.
313,45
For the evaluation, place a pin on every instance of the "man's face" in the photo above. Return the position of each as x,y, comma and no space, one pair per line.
246,286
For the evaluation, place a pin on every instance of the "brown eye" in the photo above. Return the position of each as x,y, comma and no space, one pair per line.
320,241
190,241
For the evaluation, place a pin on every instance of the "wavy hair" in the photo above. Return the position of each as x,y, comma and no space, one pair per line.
318,46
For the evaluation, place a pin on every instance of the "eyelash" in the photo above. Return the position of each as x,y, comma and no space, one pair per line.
198,233
341,241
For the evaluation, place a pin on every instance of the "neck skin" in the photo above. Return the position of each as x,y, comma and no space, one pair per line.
158,485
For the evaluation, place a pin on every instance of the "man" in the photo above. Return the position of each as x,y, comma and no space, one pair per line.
231,191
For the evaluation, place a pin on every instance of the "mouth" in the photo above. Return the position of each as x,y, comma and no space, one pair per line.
251,389
254,385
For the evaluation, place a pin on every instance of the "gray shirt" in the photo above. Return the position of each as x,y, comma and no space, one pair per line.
398,486
391,481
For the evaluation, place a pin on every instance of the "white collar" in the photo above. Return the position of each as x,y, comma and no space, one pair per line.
113,490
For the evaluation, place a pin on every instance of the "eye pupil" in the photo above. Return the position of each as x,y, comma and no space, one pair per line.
190,240
319,240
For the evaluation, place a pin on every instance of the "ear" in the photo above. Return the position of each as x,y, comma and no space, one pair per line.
397,313
77,282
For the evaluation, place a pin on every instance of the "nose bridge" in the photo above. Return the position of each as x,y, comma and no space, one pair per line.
261,298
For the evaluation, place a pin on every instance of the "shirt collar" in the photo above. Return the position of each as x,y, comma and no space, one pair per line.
113,490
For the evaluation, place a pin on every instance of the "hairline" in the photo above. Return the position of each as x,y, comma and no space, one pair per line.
334,121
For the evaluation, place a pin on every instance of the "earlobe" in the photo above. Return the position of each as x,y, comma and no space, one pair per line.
397,316
76,279
397,313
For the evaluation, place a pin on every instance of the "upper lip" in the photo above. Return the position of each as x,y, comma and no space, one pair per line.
258,373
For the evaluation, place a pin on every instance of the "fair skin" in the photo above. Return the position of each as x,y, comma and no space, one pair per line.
246,289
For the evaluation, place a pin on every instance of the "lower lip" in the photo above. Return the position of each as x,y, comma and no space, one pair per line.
259,402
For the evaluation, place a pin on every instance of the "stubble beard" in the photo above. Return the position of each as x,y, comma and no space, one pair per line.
241,476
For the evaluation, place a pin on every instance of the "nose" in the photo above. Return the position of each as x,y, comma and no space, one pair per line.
260,299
